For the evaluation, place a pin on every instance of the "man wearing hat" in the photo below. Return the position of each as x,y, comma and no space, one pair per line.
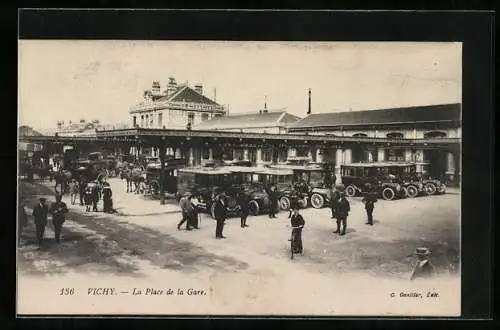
183,203
220,216
370,199
297,222
40,212
243,201
58,209
423,268
341,212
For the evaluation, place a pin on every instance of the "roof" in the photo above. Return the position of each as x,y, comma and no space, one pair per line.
28,131
251,120
417,114
187,94
274,171
206,170
310,167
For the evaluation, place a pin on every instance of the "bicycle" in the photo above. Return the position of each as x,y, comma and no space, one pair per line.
292,242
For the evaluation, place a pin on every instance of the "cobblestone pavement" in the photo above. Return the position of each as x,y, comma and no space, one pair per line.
252,263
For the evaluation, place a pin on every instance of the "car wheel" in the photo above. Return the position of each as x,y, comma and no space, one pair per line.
284,203
317,201
412,191
254,208
404,192
388,194
430,188
350,191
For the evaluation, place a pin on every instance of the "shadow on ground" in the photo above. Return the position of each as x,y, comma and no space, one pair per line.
106,245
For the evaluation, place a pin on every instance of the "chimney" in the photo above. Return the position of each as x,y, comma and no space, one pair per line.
309,104
155,88
198,88
171,86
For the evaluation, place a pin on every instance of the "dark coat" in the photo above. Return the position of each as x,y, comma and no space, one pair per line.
243,201
297,220
273,196
343,208
58,210
220,211
40,213
107,193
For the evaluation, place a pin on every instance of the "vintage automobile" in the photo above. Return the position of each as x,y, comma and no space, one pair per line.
358,177
170,171
433,186
311,180
90,170
406,176
283,180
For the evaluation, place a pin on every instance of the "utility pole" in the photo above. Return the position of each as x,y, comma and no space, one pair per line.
309,103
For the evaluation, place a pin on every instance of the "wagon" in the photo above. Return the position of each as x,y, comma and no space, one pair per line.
170,174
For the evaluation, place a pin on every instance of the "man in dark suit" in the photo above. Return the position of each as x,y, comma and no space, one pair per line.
40,212
95,196
297,222
243,201
273,202
220,216
58,209
341,212
423,268
369,201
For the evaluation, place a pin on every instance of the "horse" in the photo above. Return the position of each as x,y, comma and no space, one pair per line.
62,179
134,176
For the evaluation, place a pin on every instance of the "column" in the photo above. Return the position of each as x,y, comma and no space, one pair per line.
245,154
210,154
381,155
259,155
347,156
339,160
161,154
191,157
450,166
319,155
408,156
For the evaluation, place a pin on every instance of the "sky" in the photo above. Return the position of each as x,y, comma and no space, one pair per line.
72,80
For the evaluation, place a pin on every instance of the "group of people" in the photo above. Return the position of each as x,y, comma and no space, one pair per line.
90,193
41,211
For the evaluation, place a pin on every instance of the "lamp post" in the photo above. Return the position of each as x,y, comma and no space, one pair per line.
162,170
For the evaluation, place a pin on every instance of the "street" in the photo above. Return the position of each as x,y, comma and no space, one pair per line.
250,271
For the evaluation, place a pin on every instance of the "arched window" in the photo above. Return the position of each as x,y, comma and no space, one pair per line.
395,135
434,134
360,135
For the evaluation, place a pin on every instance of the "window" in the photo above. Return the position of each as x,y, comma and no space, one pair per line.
190,118
142,121
360,135
160,119
204,116
134,121
435,134
395,135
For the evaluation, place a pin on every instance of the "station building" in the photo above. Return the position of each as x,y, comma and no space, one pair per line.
178,106
418,122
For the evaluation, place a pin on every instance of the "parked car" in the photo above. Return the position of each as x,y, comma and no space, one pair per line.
433,186
312,180
283,180
361,178
170,173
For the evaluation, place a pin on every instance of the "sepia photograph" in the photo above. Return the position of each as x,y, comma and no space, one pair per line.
239,178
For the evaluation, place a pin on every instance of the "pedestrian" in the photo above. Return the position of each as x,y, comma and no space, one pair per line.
88,197
192,213
107,199
22,221
184,210
297,222
40,212
342,212
58,209
423,268
273,202
369,201
220,216
334,199
95,196
243,201
74,190
294,204
81,187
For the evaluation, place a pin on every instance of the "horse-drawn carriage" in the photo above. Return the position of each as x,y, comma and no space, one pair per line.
153,176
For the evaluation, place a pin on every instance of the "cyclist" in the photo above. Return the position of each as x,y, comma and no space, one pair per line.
297,222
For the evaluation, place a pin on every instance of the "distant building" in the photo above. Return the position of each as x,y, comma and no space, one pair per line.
83,127
27,149
176,107
263,121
